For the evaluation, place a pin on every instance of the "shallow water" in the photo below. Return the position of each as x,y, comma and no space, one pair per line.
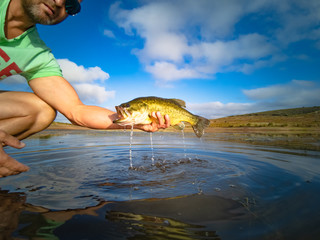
81,186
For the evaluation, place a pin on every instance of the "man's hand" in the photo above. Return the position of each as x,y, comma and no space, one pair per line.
159,123
8,165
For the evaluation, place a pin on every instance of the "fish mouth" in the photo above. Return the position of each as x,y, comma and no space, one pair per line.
126,117
122,112
123,115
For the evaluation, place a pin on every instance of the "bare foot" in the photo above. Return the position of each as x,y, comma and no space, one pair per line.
8,165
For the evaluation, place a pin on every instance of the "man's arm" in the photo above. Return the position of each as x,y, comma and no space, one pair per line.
59,94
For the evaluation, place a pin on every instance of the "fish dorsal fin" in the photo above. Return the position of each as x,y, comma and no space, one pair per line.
180,102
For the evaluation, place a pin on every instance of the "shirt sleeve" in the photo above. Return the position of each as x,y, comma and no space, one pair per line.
48,68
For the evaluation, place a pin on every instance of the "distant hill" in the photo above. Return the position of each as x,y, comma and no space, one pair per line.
286,112
295,117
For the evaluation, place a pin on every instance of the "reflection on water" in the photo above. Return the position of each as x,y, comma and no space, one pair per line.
81,186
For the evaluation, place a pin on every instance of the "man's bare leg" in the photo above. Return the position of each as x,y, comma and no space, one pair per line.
21,115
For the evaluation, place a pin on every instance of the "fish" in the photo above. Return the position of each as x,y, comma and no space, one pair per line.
139,111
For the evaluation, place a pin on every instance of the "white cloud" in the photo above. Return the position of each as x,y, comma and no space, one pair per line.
14,83
108,33
201,37
88,82
163,46
297,93
297,20
79,74
93,93
85,81
214,110
169,72
15,79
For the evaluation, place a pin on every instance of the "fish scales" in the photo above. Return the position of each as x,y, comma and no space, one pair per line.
170,107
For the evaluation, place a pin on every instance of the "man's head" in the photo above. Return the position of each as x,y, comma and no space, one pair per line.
50,12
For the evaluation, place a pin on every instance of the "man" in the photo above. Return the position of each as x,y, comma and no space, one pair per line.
23,52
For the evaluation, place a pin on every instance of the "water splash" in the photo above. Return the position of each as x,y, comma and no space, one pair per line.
130,150
184,144
151,145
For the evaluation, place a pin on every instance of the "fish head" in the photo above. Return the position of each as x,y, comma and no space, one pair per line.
132,113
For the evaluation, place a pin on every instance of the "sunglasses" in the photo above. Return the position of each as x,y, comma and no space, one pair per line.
72,7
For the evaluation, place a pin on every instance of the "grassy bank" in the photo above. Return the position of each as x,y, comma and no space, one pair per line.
288,118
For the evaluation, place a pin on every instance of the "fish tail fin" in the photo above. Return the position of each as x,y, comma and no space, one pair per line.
199,127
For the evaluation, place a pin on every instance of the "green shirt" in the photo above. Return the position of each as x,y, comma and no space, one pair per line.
26,54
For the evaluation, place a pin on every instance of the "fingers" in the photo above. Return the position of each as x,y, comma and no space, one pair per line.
158,123
7,139
167,121
161,122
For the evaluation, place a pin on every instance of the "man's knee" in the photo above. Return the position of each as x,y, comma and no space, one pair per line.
43,113
46,115
26,111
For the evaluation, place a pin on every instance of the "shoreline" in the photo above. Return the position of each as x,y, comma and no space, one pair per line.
263,130
284,137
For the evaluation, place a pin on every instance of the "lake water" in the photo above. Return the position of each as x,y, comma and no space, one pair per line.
81,186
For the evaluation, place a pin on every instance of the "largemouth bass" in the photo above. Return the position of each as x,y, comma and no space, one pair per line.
139,110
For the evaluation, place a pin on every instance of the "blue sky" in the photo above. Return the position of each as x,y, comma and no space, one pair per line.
222,57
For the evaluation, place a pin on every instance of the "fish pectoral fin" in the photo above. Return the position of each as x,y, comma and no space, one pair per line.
179,126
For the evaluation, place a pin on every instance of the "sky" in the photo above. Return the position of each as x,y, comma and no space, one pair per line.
222,58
